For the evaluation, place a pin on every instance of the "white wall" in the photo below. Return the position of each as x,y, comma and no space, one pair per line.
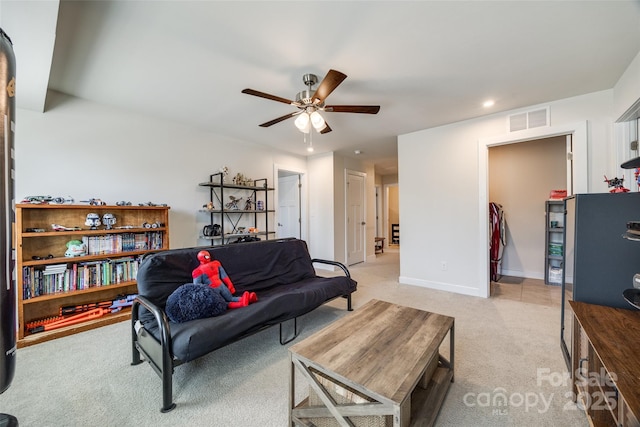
32,44
85,150
439,194
321,206
627,89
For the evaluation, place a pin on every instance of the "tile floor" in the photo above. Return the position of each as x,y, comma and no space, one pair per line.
533,291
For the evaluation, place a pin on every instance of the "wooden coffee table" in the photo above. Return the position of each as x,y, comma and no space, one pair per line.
385,353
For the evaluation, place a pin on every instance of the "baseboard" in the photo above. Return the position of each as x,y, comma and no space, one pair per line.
448,287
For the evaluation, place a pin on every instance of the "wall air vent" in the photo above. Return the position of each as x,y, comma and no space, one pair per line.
528,120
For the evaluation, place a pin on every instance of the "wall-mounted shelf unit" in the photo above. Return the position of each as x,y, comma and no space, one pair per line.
234,223
47,280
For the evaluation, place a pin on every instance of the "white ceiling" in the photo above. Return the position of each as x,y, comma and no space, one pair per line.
426,63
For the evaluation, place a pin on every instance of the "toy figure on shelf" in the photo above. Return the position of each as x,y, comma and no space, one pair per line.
75,248
210,272
233,204
37,200
62,200
225,172
108,220
93,220
616,185
248,205
94,202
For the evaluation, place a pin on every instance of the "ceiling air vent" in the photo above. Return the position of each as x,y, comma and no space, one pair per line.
528,120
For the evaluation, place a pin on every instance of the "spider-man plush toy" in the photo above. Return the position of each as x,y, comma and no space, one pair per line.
210,272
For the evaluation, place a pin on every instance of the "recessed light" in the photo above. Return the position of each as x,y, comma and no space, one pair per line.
357,152
310,149
488,103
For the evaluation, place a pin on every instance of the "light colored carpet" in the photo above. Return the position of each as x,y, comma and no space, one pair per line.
503,348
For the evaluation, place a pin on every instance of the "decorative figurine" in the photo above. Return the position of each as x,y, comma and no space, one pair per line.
75,248
108,220
233,204
225,171
58,227
152,224
94,202
152,204
93,220
62,200
248,205
37,200
240,179
616,185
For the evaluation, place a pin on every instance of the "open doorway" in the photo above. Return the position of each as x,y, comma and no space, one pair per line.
577,177
521,177
289,213
392,225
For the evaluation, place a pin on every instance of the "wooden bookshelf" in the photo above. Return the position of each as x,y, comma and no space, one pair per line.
108,270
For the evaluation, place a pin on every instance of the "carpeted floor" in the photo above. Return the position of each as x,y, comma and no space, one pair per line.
509,369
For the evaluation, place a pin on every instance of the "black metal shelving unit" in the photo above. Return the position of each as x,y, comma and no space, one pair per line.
228,218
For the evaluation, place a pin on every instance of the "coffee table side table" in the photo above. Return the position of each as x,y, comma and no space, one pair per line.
386,353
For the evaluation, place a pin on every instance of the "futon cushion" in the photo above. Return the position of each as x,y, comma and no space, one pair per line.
253,266
279,271
196,338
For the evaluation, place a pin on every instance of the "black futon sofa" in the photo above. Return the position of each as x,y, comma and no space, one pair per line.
280,272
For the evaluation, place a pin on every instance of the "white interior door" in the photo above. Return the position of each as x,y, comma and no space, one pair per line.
289,206
355,218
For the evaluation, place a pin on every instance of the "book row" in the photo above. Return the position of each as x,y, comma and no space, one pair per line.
55,278
125,242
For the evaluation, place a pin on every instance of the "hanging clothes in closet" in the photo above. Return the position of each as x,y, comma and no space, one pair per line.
497,239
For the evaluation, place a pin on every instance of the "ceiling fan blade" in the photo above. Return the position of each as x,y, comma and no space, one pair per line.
327,85
268,96
364,109
279,119
326,129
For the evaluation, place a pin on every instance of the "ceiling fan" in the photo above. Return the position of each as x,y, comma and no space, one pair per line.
310,102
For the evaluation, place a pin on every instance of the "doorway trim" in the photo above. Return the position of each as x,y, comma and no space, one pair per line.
578,132
304,226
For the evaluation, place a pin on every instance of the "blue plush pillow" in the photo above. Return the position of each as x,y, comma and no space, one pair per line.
191,301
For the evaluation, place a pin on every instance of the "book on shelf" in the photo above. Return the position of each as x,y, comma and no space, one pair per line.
123,242
73,276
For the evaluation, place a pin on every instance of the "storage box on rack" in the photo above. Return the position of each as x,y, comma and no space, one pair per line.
557,194
555,275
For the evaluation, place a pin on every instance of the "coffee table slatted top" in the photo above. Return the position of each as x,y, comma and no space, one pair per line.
381,347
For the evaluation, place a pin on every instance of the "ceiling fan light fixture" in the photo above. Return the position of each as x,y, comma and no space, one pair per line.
317,121
311,103
303,123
